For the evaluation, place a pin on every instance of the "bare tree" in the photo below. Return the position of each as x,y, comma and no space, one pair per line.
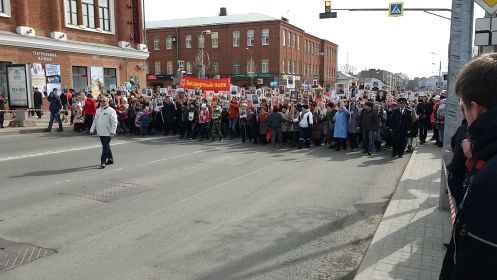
349,69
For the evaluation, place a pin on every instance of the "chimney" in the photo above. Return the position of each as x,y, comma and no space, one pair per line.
223,12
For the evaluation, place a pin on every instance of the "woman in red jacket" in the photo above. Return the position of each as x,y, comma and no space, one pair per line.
233,114
89,111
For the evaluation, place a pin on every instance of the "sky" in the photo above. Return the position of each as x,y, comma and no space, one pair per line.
365,39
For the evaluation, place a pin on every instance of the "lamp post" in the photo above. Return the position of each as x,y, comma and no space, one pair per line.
201,73
439,69
251,68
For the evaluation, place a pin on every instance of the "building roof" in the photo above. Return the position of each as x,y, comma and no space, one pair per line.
215,20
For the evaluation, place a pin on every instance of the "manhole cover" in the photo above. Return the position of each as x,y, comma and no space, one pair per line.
111,193
14,254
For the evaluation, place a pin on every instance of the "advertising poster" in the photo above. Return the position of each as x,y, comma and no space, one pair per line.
18,90
38,77
53,78
97,80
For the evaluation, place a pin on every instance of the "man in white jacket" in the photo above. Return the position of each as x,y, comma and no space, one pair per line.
105,123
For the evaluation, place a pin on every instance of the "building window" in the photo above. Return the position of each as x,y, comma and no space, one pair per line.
201,41
298,68
298,42
169,67
79,78
294,41
157,68
215,67
188,67
265,66
305,46
156,43
215,39
236,66
236,38
293,66
265,37
250,38
110,78
283,66
284,38
289,39
88,13
71,12
188,41
104,7
250,66
169,42
288,67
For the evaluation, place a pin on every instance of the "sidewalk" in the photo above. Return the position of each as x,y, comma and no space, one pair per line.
41,125
408,243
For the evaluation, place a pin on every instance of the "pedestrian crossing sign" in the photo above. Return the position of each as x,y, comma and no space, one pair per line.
396,9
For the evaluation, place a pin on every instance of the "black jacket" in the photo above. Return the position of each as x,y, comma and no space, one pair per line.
473,250
401,123
168,112
424,111
37,98
457,167
368,120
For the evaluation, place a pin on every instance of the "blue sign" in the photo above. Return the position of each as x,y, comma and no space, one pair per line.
396,9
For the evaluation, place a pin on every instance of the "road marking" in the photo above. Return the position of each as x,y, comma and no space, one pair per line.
52,152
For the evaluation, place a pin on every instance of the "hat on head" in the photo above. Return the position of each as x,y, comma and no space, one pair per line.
369,103
437,97
402,100
203,106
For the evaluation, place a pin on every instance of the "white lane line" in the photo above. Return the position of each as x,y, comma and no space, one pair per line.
74,149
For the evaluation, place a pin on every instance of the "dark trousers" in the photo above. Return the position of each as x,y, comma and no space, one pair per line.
168,126
399,144
353,140
245,131
55,116
106,152
341,143
276,132
304,137
38,113
424,125
88,122
1,118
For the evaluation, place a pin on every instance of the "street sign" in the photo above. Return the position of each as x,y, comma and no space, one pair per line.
490,6
486,32
396,9
328,15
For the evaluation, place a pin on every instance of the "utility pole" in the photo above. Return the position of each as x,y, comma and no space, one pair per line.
460,52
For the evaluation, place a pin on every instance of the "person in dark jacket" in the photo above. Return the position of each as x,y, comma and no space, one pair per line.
472,252
37,101
367,125
55,108
424,110
168,115
276,123
2,108
401,123
457,168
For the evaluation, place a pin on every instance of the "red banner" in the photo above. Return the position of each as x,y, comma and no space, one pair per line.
206,84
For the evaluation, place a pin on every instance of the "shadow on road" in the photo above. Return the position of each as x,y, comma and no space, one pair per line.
56,172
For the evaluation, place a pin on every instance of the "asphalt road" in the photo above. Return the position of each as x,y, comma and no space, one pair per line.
181,209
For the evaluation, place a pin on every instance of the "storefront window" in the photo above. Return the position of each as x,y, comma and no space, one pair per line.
110,78
80,78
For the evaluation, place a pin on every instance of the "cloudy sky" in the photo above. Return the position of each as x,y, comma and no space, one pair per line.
368,39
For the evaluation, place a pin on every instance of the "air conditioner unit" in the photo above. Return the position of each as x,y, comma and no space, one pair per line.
142,47
26,31
123,44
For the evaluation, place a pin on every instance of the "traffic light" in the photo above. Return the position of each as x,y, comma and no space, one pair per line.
327,7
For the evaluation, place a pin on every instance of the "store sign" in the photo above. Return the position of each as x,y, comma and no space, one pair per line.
17,85
248,76
38,78
44,56
206,84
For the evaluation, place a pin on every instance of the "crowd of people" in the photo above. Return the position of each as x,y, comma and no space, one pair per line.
341,125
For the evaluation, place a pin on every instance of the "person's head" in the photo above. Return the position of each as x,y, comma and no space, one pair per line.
275,108
104,101
283,109
477,86
233,99
402,102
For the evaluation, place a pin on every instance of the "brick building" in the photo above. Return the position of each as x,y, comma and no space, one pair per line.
84,38
278,51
